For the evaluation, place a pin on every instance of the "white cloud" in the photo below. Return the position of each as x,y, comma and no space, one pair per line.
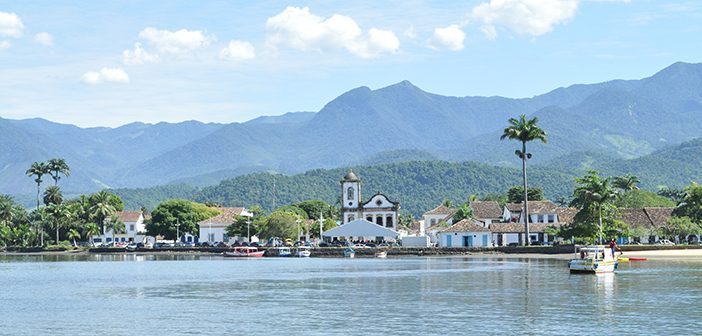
105,75
175,42
4,45
238,50
10,25
298,28
138,56
44,39
450,38
524,17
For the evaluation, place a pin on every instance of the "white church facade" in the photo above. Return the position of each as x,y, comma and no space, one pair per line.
379,209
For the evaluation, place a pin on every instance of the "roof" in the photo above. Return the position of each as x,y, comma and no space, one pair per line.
226,216
441,210
535,207
566,216
360,228
466,225
128,216
351,177
486,209
650,217
437,227
518,227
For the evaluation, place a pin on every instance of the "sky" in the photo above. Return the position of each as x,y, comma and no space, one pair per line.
109,63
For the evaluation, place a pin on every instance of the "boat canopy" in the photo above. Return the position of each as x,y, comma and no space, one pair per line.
361,228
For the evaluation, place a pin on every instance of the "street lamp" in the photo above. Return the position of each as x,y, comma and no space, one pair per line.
177,225
299,229
248,231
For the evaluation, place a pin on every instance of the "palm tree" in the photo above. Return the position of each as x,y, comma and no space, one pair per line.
58,166
524,131
91,230
627,182
7,210
38,169
73,234
52,195
59,216
102,209
116,226
593,192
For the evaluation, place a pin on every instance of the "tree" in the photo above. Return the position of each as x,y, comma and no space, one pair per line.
37,170
52,195
58,166
679,227
691,204
627,182
58,216
447,202
73,234
314,208
463,212
594,196
186,213
524,131
91,230
101,207
115,225
242,227
283,224
516,194
675,195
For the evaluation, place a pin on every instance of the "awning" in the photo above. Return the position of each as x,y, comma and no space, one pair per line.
360,228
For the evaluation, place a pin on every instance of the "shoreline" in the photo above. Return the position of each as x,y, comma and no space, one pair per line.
658,254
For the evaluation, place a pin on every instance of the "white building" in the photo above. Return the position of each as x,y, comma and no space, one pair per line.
466,233
437,215
213,230
539,212
378,209
135,230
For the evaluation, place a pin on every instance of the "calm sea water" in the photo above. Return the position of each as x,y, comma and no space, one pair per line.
208,295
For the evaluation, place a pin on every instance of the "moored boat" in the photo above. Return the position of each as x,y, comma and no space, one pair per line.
304,251
381,254
593,259
244,252
284,251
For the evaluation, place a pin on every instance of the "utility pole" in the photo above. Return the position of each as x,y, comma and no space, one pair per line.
177,225
248,231
321,225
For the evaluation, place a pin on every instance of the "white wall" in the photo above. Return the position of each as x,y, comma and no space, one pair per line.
457,239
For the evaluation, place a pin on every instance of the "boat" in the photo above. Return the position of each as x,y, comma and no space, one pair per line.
284,251
381,254
244,252
623,259
593,259
304,251
349,253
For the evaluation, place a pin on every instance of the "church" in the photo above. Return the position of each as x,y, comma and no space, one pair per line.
379,209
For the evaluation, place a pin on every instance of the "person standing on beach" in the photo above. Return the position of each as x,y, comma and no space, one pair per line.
613,246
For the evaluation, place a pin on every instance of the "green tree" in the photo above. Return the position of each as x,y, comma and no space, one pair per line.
91,230
186,213
56,167
679,227
243,227
283,224
58,217
115,225
691,204
73,234
447,203
101,208
516,194
524,131
595,197
627,182
37,170
463,212
52,195
313,209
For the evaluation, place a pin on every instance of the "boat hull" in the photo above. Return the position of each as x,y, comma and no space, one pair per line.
258,254
579,266
304,254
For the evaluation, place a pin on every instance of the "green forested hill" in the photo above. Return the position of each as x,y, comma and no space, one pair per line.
418,185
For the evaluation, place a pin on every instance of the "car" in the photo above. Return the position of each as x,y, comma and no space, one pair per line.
665,242
131,247
323,244
359,246
221,244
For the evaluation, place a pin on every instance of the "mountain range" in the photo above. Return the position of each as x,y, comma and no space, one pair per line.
611,124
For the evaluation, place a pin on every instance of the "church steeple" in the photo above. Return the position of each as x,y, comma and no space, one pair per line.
350,191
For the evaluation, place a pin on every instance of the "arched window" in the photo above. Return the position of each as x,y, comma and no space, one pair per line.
350,194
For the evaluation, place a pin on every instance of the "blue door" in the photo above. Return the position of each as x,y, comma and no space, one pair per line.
448,241
485,240
468,241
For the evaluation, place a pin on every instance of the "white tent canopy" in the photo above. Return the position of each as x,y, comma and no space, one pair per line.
360,228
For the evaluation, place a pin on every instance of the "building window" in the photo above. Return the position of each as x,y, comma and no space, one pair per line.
379,220
433,221
131,227
370,219
388,221
350,194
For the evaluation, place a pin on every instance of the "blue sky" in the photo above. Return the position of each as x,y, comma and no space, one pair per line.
107,63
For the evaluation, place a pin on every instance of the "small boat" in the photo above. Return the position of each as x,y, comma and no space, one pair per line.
594,259
381,254
284,251
244,252
304,251
349,253
623,259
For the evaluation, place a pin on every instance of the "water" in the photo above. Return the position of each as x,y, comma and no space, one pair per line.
208,295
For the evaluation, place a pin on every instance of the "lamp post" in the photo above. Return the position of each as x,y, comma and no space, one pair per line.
248,231
299,229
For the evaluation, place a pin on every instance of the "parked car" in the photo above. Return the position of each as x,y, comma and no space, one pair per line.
132,246
323,244
665,242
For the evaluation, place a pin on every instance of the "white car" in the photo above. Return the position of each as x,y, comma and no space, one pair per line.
665,242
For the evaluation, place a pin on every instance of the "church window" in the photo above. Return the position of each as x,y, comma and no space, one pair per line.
379,220
370,219
350,194
378,202
388,221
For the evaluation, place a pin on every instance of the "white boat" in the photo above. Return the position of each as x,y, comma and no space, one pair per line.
381,254
593,259
244,252
304,251
349,253
284,251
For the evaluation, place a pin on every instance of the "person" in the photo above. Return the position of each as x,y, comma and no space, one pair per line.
613,246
